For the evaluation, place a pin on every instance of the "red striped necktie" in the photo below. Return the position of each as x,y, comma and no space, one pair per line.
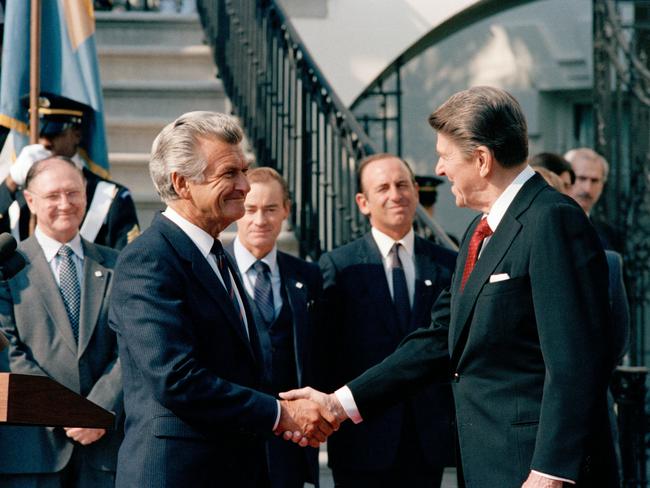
481,232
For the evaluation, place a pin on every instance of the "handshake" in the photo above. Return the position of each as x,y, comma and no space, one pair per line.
308,417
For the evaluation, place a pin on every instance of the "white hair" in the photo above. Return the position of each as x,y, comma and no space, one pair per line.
590,154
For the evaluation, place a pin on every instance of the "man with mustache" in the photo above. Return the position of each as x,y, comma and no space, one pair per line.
591,170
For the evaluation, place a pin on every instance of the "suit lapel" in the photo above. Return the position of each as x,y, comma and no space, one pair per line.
96,279
497,247
377,284
425,276
206,276
40,272
296,293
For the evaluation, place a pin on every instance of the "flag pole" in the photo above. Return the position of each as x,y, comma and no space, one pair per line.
34,69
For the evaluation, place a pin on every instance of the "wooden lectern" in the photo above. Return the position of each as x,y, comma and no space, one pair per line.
39,400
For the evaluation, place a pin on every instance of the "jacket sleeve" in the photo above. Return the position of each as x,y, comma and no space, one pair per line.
327,319
107,390
420,360
20,358
568,277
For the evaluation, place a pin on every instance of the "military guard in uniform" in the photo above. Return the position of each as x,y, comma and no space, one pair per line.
111,218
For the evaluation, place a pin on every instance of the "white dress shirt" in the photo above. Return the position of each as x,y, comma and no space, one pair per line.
406,255
245,261
51,248
204,242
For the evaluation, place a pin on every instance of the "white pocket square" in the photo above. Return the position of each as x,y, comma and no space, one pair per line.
499,277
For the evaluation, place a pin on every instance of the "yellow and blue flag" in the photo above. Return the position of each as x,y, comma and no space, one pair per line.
69,67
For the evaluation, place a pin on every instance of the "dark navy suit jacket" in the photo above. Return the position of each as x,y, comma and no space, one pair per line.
359,329
194,413
531,356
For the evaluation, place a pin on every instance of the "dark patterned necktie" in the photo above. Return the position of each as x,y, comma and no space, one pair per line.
400,290
70,289
264,291
480,233
224,271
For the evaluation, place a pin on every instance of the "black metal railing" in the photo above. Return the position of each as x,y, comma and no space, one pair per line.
621,31
622,127
293,119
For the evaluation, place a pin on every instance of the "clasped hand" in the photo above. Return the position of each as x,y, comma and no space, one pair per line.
308,417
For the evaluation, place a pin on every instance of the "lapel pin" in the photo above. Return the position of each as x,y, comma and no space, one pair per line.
298,285
427,283
99,274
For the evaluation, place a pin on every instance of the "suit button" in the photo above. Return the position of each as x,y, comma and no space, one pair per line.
456,377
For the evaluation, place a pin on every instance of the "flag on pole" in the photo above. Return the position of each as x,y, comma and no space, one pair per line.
69,67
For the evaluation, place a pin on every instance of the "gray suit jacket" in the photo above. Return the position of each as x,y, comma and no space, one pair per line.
34,319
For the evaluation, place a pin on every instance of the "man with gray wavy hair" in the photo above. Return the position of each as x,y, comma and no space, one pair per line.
190,351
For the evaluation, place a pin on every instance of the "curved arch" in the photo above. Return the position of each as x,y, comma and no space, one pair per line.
475,13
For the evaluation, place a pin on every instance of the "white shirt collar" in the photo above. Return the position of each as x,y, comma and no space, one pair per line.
245,259
500,206
51,246
201,238
385,243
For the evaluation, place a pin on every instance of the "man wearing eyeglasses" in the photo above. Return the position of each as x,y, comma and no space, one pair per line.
54,313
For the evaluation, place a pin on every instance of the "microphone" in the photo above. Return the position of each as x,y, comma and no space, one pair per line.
11,262
7,245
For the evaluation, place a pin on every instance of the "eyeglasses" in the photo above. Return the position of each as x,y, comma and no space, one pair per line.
73,197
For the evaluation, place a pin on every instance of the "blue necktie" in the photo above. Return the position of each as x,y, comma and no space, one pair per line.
400,290
70,289
264,291
224,270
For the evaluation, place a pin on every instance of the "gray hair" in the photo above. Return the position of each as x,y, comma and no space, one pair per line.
176,149
590,154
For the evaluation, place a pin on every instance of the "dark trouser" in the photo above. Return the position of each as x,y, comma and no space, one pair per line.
390,478
410,469
287,464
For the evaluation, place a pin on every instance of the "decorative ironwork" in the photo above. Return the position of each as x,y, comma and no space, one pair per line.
295,122
628,387
622,132
379,110
621,34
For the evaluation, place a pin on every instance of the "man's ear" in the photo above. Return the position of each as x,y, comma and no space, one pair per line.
77,134
484,158
181,186
29,198
362,203
286,208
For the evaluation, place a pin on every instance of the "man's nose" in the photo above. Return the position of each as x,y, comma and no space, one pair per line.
440,170
258,218
394,193
242,184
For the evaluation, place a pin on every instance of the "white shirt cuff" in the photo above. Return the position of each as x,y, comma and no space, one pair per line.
553,477
277,417
344,396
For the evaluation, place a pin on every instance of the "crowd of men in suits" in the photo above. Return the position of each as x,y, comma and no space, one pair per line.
207,353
